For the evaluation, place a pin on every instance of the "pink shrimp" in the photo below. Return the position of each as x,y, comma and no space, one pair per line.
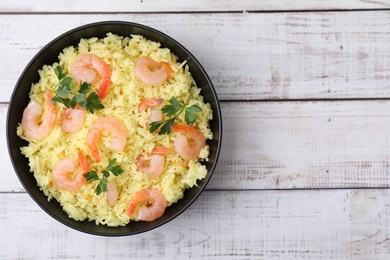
149,102
151,72
188,146
72,120
152,166
63,172
112,194
154,116
162,150
151,204
33,126
85,69
118,135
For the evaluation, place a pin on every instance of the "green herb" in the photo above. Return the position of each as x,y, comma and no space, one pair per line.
190,116
173,110
112,167
67,94
91,176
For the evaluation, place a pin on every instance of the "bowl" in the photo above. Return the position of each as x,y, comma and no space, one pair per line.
20,99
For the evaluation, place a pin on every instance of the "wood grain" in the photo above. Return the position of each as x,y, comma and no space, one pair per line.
337,224
300,142
284,145
182,6
255,56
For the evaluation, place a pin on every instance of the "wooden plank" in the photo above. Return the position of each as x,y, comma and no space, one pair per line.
255,56
187,6
283,145
326,224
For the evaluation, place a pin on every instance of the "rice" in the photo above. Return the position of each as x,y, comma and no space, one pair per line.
122,101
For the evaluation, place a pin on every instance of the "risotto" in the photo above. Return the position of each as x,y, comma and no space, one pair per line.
116,130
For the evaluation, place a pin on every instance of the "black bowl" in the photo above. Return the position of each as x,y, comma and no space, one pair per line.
20,99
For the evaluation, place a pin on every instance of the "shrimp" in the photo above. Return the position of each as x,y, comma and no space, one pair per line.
151,204
161,150
188,146
118,135
35,128
149,102
63,173
152,166
151,72
154,116
112,194
72,120
85,69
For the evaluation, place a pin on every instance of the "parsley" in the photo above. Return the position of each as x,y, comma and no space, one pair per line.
67,94
112,167
173,110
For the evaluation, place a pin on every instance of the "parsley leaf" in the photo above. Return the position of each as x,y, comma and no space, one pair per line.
174,109
84,87
194,108
102,186
154,126
67,95
73,102
167,127
190,116
112,167
66,81
59,72
106,173
91,176
63,92
93,102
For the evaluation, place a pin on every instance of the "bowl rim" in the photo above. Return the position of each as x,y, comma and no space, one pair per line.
147,28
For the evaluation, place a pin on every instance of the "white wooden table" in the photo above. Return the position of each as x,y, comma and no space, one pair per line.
305,95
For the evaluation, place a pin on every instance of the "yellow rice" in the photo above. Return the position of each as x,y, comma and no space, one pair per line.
122,101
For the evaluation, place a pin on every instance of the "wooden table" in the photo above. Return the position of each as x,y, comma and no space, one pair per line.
305,95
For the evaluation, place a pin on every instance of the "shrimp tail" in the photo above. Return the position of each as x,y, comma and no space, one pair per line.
131,208
181,128
92,137
103,89
149,102
95,153
48,97
161,150
83,162
168,70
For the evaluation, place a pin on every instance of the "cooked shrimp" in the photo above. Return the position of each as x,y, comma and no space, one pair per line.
33,126
112,194
161,150
188,146
152,166
83,162
116,129
151,204
149,102
72,120
154,116
66,176
151,72
85,67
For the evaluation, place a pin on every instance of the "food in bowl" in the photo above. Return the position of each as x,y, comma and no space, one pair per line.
123,132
